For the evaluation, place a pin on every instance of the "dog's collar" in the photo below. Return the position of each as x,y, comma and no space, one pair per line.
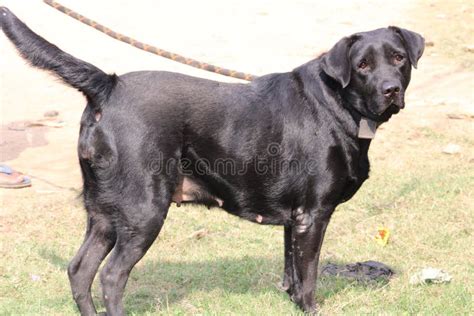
367,128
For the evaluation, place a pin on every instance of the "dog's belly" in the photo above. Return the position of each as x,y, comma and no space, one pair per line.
189,190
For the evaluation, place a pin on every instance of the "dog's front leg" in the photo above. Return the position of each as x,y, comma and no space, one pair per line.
307,238
287,283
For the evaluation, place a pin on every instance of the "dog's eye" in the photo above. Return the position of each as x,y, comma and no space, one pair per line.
363,64
398,57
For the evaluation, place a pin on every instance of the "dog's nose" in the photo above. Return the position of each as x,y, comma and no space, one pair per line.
390,88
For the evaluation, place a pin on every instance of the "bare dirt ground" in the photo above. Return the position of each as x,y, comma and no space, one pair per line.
254,36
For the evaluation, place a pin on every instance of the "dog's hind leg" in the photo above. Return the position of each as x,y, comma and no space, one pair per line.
99,240
133,240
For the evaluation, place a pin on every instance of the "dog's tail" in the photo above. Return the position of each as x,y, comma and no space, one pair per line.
90,80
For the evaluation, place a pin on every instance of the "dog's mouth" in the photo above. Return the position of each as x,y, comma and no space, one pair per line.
393,108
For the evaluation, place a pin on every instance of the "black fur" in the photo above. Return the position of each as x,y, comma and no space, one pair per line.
282,150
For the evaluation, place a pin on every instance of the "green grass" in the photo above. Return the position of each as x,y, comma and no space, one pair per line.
424,196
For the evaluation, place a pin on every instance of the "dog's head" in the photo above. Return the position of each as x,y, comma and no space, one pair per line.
374,69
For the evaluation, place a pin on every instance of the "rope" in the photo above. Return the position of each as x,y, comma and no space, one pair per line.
150,48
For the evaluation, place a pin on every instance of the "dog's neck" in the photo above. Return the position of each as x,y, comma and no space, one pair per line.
311,83
366,128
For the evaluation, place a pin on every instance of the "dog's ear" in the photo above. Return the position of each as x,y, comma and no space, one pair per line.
336,63
414,43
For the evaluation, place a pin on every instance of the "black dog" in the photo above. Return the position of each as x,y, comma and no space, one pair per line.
282,150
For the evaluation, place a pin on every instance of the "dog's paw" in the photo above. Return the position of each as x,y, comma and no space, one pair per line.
309,308
285,284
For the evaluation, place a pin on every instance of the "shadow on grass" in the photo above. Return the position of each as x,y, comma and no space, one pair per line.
157,284
166,283
55,259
